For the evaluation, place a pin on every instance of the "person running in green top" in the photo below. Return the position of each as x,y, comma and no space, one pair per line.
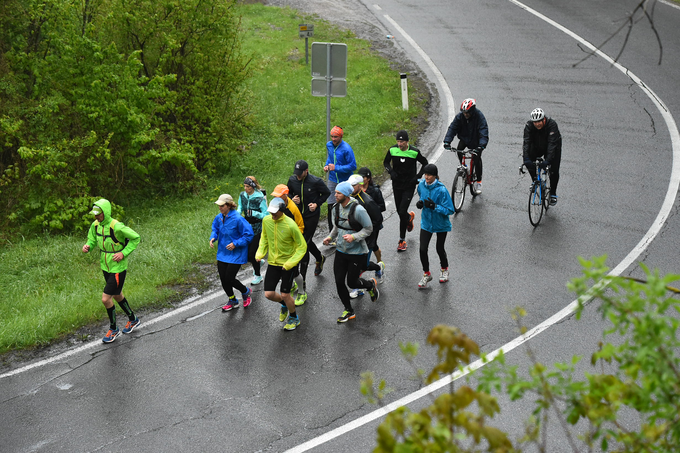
286,245
116,242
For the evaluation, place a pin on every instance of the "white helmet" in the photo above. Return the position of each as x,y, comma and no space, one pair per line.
537,114
468,105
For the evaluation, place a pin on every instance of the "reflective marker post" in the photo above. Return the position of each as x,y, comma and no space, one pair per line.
404,91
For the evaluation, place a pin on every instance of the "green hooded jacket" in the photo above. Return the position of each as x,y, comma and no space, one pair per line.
100,235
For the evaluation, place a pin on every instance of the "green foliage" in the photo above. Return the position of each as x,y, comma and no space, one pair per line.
448,424
113,96
640,373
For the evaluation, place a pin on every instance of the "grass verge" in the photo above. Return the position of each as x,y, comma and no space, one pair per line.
51,289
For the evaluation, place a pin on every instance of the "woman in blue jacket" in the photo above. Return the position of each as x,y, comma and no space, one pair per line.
233,233
437,206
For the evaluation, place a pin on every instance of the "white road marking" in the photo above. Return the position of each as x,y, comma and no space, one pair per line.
671,4
653,231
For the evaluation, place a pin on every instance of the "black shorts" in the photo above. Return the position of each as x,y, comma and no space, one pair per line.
277,273
114,283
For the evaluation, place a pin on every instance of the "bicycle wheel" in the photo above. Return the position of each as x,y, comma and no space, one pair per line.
473,192
535,205
458,189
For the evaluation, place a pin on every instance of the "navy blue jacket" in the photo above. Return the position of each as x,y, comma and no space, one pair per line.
474,132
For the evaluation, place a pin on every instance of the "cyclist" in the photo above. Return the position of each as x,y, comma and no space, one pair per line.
542,139
472,130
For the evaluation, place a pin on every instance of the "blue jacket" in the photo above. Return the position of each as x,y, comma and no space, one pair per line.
343,158
228,229
473,132
436,220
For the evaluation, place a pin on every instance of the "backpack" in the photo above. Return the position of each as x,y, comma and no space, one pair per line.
371,207
112,234
353,222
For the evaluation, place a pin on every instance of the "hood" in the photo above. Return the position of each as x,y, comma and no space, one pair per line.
106,209
436,183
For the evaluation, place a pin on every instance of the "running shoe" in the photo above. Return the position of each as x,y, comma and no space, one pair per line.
402,246
292,323
553,200
380,275
356,293
301,299
346,316
412,215
427,277
374,292
478,187
256,280
230,305
284,313
444,275
131,325
111,335
246,298
319,265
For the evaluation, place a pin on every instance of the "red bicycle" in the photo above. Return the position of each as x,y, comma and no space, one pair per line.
464,177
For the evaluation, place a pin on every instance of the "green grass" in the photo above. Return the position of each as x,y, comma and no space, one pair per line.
49,288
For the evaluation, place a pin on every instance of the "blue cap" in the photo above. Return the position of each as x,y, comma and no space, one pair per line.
345,188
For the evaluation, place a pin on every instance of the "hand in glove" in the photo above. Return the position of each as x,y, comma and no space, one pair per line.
419,204
429,204
544,164
447,146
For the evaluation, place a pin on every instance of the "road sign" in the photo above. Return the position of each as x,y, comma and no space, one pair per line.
338,60
338,88
306,30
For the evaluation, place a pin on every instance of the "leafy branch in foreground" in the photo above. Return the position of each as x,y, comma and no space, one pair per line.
638,372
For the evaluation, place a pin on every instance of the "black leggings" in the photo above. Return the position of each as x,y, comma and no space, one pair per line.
425,237
252,249
348,268
476,161
402,200
228,273
554,171
310,229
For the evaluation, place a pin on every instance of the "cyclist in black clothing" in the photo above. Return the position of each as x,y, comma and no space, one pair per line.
401,162
542,139
472,130
308,192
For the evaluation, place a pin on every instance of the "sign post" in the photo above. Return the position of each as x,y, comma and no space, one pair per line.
329,71
306,31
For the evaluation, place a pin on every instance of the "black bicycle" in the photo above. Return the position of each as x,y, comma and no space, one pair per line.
464,177
539,194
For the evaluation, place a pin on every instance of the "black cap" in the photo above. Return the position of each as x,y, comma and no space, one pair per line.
364,171
402,135
430,169
300,167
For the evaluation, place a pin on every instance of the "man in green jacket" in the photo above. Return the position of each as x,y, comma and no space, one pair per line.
116,242
286,245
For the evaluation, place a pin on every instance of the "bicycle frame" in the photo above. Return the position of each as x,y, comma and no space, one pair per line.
539,195
462,179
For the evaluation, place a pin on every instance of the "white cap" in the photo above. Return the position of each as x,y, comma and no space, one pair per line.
356,179
276,205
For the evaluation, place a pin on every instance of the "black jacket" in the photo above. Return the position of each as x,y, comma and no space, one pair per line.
371,207
545,142
401,165
312,189
374,191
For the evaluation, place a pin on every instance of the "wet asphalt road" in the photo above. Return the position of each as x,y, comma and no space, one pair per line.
236,382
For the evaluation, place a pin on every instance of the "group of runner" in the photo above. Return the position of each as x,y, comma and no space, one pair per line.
250,229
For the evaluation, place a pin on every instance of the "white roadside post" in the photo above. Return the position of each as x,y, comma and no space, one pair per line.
404,91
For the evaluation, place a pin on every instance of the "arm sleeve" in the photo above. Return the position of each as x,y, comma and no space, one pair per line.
444,203
127,233
300,248
380,199
324,191
452,131
215,228
423,161
346,161
526,145
264,245
91,236
387,161
245,235
483,131
262,213
239,209
554,138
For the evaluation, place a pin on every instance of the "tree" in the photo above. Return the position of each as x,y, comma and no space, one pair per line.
646,378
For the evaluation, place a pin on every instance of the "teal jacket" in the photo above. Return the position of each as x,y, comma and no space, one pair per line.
126,239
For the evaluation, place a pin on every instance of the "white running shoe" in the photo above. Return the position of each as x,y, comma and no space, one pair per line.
356,293
478,187
427,277
444,275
